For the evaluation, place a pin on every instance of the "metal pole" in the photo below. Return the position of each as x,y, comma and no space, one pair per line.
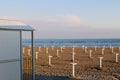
36,55
117,57
46,50
39,48
61,49
95,48
49,59
21,50
63,46
85,49
52,47
112,49
73,56
57,53
29,50
110,46
29,46
101,61
44,46
73,69
73,49
103,51
119,48
103,47
90,55
32,47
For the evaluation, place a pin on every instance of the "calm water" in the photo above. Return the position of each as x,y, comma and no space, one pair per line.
75,42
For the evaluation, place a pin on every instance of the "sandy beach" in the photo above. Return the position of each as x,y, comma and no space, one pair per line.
87,67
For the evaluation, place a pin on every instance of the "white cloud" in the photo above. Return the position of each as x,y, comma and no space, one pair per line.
6,20
69,26
6,17
63,21
74,19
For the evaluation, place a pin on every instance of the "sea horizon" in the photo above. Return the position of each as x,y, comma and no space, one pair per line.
75,42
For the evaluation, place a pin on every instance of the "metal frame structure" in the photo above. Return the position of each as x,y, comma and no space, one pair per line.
32,45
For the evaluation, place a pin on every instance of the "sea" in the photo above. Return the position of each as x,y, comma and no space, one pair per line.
73,42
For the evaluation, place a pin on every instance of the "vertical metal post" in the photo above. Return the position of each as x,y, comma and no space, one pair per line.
90,54
101,61
21,50
29,52
85,49
36,55
103,51
39,48
73,68
52,47
32,47
112,49
73,49
117,57
119,48
49,60
95,48
57,53
73,56
46,50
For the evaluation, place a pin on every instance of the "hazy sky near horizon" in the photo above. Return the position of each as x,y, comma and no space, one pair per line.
66,18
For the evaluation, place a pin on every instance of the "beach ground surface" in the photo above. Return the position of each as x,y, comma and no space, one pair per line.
87,68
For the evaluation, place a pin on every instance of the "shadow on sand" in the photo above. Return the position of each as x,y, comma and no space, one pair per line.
45,77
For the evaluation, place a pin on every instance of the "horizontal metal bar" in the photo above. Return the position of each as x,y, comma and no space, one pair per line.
9,60
15,29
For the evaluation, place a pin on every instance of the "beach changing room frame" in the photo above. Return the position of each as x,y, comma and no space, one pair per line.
11,58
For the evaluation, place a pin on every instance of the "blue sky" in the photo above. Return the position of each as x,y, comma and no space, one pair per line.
66,18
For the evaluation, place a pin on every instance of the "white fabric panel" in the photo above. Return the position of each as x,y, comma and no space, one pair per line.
10,71
9,50
9,45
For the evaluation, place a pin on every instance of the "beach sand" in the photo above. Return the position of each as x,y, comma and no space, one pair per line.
86,69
